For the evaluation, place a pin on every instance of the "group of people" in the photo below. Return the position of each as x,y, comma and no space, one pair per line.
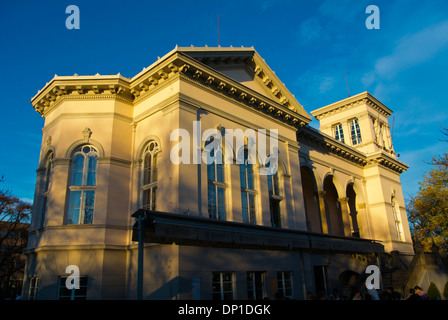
415,293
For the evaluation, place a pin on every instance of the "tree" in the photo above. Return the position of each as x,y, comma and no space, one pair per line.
14,222
428,210
441,160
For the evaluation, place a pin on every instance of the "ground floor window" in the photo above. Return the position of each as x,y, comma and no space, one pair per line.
222,285
256,289
72,294
32,294
284,283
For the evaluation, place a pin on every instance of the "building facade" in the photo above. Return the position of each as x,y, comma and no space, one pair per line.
111,153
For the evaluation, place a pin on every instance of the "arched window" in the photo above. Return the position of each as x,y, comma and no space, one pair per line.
45,189
82,185
216,183
274,199
247,189
355,132
149,185
397,220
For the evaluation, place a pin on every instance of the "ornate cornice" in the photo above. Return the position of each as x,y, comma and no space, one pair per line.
174,65
81,87
222,58
362,98
312,136
218,82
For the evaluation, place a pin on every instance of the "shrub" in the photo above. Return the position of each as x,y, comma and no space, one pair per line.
445,290
433,292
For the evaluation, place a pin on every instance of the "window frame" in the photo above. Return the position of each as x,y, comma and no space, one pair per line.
222,293
248,193
74,293
149,182
33,288
251,284
283,280
355,132
216,186
85,188
338,132
275,198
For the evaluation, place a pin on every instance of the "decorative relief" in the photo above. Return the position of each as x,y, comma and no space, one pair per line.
86,133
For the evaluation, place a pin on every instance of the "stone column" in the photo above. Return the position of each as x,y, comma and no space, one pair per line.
323,214
347,222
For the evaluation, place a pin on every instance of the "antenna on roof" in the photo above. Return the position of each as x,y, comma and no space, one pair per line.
348,92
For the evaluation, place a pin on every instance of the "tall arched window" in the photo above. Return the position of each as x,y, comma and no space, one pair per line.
149,185
216,184
274,199
46,188
247,189
397,220
82,185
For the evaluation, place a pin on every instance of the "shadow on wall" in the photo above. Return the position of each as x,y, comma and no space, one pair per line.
172,289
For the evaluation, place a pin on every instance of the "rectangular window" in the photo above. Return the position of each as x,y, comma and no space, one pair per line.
355,132
247,191
81,204
338,132
256,289
222,286
276,219
32,294
248,206
149,197
273,184
284,283
74,294
43,210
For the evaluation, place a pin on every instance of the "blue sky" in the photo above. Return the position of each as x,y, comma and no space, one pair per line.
309,44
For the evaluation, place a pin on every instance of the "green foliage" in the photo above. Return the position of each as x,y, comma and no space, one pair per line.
428,210
433,292
445,290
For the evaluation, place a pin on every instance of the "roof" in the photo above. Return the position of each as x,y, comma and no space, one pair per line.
198,64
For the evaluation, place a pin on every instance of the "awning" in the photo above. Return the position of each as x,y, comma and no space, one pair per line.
168,228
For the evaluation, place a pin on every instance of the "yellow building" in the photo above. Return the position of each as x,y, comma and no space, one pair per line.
212,231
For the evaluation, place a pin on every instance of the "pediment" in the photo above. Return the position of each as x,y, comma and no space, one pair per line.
245,66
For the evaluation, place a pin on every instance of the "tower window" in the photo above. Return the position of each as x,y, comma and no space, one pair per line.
355,132
338,132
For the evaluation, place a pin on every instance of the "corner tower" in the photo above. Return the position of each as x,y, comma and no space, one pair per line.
361,123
